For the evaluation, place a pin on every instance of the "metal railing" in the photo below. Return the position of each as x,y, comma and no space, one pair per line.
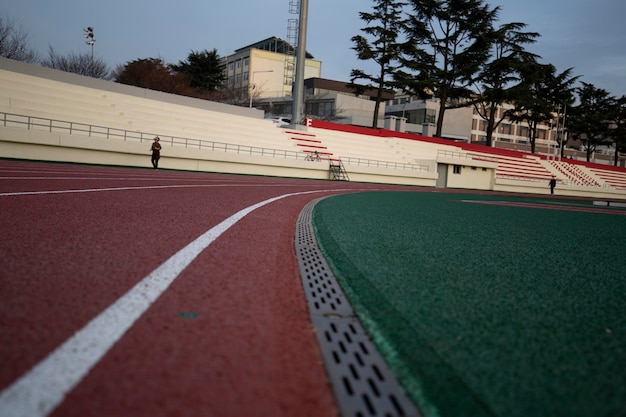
464,155
384,164
103,132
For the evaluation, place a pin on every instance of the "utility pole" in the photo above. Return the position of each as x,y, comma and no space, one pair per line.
298,88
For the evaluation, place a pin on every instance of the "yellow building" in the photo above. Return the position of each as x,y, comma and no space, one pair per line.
265,69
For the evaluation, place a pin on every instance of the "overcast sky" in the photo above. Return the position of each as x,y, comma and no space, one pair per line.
589,35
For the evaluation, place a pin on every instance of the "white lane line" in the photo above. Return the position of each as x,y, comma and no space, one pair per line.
149,187
44,387
93,190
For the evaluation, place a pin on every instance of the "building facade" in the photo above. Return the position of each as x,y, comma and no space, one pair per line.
265,69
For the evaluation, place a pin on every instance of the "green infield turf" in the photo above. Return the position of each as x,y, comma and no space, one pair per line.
483,309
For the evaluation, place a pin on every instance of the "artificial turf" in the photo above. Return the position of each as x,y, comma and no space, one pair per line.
486,310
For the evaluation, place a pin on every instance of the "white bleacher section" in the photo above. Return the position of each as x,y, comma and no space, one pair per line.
610,178
576,174
66,102
189,128
355,149
526,167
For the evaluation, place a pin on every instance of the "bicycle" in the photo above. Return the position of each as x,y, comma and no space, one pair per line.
313,157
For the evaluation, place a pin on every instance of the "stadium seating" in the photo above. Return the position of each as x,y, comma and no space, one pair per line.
139,114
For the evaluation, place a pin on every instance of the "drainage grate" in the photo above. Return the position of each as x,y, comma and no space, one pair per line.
362,383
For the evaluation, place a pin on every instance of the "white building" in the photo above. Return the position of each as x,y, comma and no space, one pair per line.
467,125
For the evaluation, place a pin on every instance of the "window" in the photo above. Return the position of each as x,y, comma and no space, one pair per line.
506,129
456,169
418,117
321,109
541,134
523,131
246,61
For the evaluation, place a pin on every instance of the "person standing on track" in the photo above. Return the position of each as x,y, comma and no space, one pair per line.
156,152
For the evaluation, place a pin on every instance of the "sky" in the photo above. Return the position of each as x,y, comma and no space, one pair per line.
586,35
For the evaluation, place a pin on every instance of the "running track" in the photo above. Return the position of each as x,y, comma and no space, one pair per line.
135,292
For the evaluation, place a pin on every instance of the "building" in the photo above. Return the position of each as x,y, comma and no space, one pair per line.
332,101
465,124
265,69
262,75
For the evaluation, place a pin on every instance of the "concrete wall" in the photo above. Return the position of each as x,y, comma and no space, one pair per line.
358,111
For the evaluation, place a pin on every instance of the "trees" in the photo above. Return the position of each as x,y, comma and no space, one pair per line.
383,49
14,42
452,40
618,127
154,74
204,69
77,63
500,75
590,119
200,76
539,94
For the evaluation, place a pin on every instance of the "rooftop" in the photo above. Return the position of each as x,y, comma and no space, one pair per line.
274,44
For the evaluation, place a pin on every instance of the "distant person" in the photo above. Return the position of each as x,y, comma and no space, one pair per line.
552,184
156,152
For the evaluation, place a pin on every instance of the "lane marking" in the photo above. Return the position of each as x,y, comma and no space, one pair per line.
43,388
25,178
580,209
149,187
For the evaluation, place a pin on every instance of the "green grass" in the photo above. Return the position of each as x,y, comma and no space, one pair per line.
485,310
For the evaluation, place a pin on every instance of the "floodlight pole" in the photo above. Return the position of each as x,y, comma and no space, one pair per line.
298,87
90,41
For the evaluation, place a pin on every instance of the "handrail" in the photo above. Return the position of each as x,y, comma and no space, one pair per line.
384,164
94,131
465,155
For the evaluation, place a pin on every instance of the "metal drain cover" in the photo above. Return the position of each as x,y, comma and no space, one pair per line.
362,383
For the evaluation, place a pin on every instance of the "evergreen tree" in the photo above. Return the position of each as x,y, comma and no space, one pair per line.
381,44
205,70
452,42
541,92
590,118
618,131
498,77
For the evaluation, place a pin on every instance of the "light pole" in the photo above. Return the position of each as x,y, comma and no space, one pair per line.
252,84
298,88
90,41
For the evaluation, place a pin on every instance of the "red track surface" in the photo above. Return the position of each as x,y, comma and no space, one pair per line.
231,336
